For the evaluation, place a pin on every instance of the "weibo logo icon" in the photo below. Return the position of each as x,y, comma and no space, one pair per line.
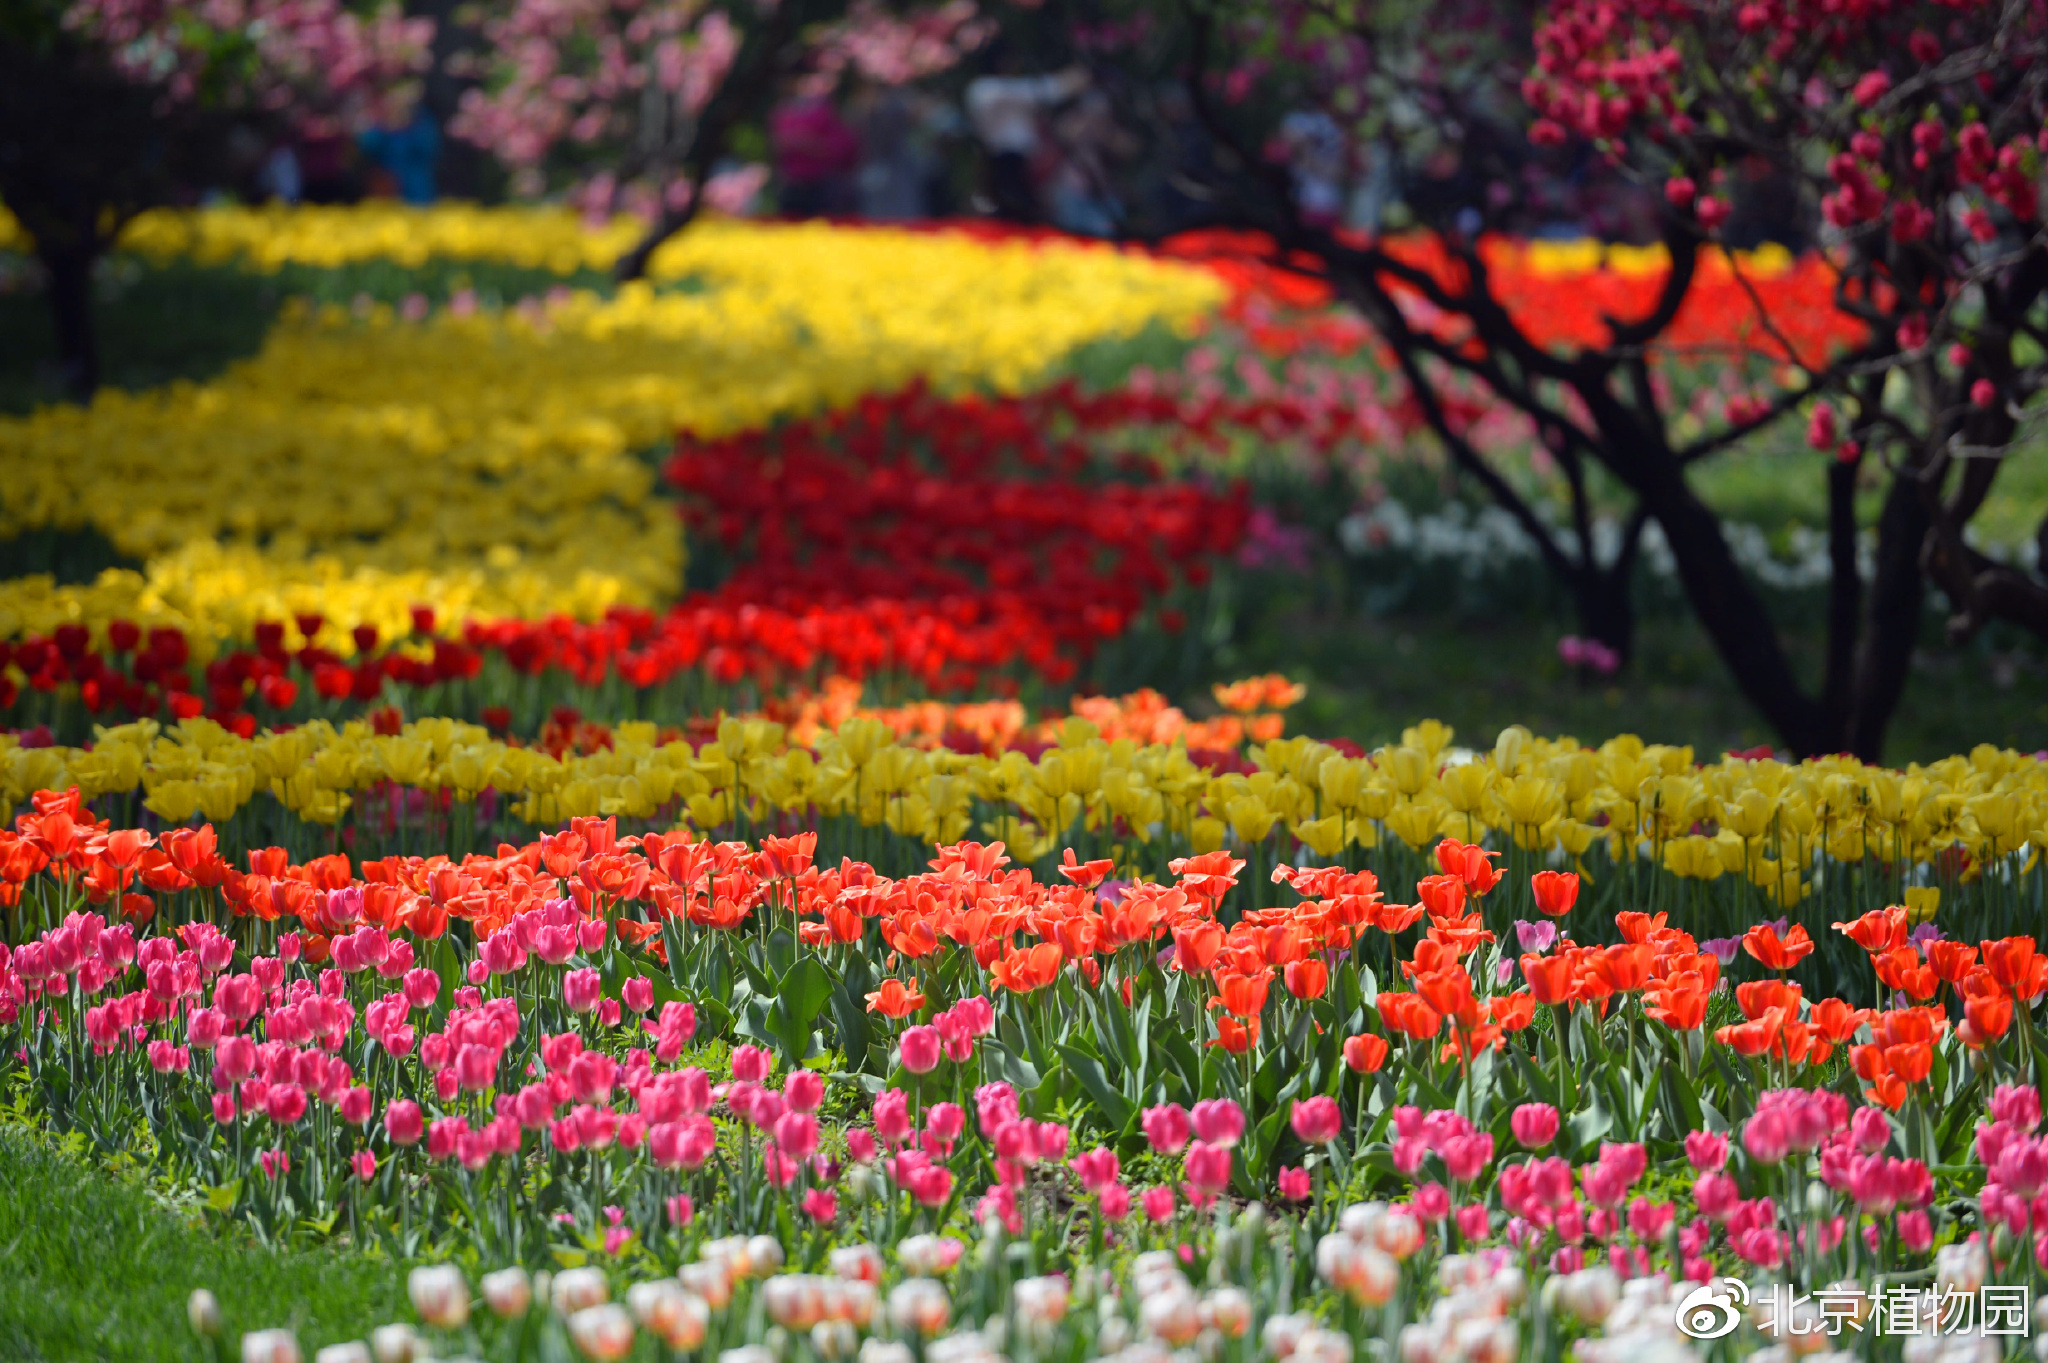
1712,1309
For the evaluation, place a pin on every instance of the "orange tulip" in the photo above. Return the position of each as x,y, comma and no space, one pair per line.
1867,1062
1639,927
2016,965
1552,980
1307,979
1878,931
1448,992
1754,1037
1513,1011
1774,952
1365,1052
1469,1042
1758,997
1442,896
1031,968
1680,1002
1986,1018
1952,960
1836,1020
1555,891
1622,968
1394,918
1901,969
1431,955
1908,1026
1196,944
1281,945
1243,995
1470,863
1234,1036
1911,1063
895,999
1409,1015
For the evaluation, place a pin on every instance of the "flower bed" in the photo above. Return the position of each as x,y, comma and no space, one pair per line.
657,1060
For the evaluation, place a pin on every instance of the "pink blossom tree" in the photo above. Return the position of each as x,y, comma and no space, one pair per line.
633,103
109,107
1918,129
1905,136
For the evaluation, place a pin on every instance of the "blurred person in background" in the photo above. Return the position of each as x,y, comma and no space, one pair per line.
327,166
1312,145
407,150
817,156
1087,138
892,168
1004,109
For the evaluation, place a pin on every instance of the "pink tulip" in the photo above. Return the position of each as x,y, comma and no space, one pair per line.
1474,1221
1166,1126
1114,1202
1534,1124
1916,1231
860,1145
1295,1185
238,996
821,1206
920,1049
2017,1105
422,987
1208,1167
234,1060
1158,1203
803,1091
403,1122
796,1135
1317,1120
2023,1166
1466,1157
224,1108
1767,1136
681,1210
637,993
581,990
1218,1121
751,1064
1716,1195
1096,1169
1432,1202
945,1122
365,1165
356,1105
1707,1150
892,1116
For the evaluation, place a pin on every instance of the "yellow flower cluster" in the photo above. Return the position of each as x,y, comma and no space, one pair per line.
1774,821
503,452
218,594
274,236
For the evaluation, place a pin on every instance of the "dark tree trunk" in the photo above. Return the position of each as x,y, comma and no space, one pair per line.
1732,614
1892,624
78,355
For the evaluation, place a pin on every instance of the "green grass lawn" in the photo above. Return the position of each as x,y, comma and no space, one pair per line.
97,1268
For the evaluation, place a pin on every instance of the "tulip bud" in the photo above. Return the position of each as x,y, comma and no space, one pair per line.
353,1351
508,1292
202,1310
271,1346
396,1343
440,1294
